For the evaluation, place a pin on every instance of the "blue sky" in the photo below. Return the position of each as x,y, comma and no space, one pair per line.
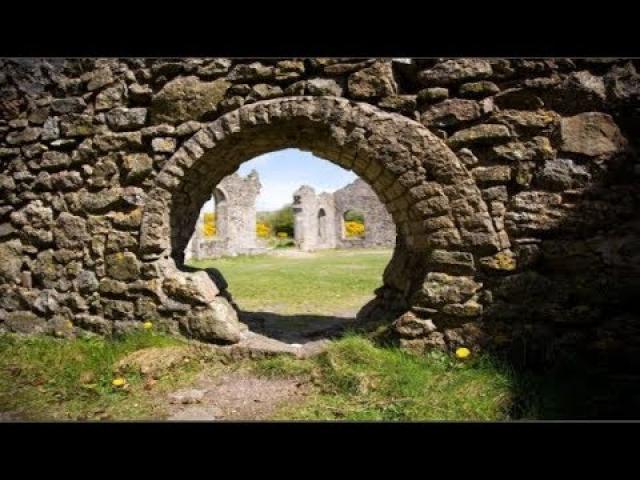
284,171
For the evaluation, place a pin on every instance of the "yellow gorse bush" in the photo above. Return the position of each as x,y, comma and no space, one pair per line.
209,227
354,229
263,230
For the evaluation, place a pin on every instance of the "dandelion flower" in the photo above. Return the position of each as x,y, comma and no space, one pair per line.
147,325
118,382
463,352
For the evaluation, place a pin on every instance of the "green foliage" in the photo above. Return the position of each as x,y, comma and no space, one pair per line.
357,380
353,216
279,221
45,377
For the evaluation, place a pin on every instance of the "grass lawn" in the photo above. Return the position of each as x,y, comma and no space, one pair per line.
326,282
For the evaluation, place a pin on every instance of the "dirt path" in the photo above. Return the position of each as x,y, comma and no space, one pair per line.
236,396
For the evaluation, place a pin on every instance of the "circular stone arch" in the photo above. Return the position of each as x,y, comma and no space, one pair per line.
442,222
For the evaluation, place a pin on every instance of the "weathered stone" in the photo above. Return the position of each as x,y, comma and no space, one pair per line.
457,263
140,94
315,86
109,286
77,125
186,98
623,85
470,308
24,322
480,89
373,82
537,149
123,119
111,97
70,231
467,157
262,91
163,145
562,174
539,122
118,141
50,129
501,262
409,325
87,282
122,266
496,174
161,130
455,71
20,137
252,72
99,78
432,95
440,289
484,134
129,220
518,99
399,103
592,134
68,105
11,261
65,181
53,160
137,167
214,69
217,323
7,230
451,113
94,323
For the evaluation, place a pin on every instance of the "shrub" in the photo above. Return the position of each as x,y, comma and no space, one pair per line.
354,229
263,230
209,227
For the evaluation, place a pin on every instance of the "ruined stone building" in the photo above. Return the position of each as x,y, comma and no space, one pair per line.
506,179
235,209
319,218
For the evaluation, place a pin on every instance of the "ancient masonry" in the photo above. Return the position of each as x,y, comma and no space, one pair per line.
235,200
512,183
319,219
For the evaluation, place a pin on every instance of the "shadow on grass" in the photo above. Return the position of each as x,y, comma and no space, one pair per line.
576,387
296,328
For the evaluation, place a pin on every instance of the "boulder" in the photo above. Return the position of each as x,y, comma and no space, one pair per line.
451,113
123,119
122,266
216,323
372,82
458,70
11,261
187,98
485,134
592,134
70,231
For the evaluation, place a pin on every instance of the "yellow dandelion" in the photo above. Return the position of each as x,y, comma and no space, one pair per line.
118,382
463,352
147,325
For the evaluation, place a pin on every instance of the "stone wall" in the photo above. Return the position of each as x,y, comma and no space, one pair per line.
513,185
235,207
319,219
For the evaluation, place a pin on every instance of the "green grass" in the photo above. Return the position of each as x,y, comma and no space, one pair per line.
326,282
58,379
356,380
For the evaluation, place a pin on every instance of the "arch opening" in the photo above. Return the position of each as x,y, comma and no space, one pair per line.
442,223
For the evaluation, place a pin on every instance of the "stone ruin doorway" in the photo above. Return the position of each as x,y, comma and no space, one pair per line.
441,220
